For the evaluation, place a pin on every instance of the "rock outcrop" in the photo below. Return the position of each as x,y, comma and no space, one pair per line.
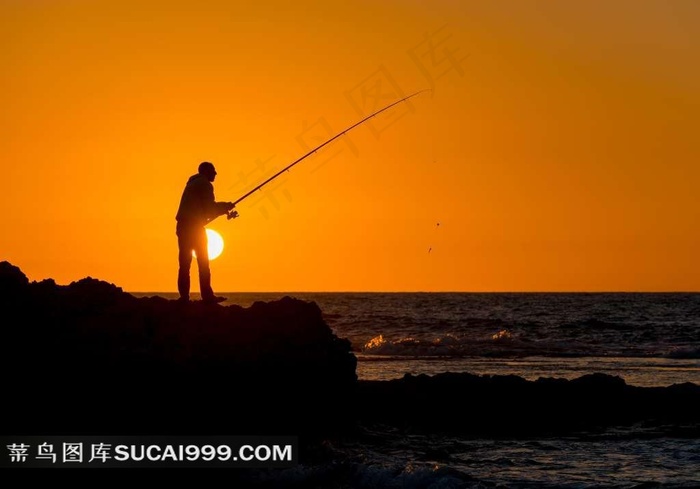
90,358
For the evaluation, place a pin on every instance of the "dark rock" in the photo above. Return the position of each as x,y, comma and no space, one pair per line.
13,282
90,358
461,403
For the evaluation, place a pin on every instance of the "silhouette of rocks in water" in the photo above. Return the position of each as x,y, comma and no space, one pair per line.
508,405
88,358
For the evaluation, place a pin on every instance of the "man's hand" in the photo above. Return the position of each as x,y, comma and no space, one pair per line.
230,205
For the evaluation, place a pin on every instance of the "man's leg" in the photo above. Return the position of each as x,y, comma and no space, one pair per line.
202,252
185,246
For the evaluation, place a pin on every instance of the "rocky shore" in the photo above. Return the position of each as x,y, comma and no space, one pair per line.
89,358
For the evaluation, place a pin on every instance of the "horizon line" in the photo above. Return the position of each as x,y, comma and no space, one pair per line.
433,292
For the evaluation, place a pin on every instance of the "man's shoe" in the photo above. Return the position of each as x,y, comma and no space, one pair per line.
183,300
215,299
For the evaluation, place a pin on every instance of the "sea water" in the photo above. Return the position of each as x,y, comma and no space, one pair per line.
648,339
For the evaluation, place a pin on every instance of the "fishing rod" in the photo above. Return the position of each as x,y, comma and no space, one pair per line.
231,214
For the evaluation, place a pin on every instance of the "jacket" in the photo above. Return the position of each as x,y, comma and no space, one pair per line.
197,204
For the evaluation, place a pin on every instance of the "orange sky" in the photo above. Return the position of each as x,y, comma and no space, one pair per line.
558,148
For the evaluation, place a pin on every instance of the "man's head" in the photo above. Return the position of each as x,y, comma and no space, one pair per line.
207,169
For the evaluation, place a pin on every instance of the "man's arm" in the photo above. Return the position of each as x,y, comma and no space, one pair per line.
213,208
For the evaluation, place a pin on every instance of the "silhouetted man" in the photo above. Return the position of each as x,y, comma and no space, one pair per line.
197,208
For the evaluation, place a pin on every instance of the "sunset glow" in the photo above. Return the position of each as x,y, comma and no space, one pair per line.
557,149
215,244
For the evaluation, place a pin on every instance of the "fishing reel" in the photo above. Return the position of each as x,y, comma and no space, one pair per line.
231,214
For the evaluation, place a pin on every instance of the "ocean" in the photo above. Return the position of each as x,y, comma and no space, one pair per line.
647,339
650,340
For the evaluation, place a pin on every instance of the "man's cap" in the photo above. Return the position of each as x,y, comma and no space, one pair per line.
205,166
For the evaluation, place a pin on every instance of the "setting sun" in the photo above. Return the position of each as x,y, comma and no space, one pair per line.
215,244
